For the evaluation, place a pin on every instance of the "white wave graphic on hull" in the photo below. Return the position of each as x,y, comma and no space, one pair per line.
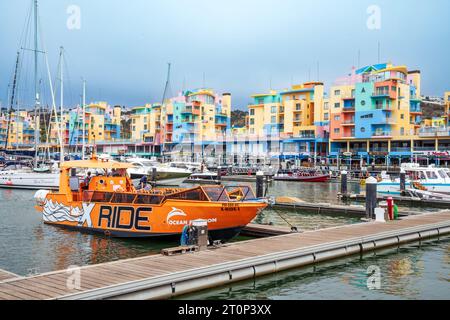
57,212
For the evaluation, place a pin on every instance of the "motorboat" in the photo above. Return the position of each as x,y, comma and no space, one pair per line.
302,175
144,167
431,178
109,204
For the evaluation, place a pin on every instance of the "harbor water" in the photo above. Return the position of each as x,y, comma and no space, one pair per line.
28,246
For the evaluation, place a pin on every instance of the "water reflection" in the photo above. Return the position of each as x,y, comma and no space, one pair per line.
411,272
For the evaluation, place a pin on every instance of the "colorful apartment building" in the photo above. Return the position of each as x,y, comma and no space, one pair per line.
291,122
21,130
102,124
193,119
377,113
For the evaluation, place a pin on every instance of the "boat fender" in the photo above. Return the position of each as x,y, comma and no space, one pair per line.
184,236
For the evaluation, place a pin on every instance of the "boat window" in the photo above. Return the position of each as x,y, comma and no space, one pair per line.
431,175
422,176
193,194
101,196
442,174
123,198
216,193
148,199
448,173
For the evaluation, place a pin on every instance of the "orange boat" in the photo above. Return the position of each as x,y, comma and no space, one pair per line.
111,205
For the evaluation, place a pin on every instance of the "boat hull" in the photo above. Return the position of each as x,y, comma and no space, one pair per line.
322,178
29,180
225,220
394,187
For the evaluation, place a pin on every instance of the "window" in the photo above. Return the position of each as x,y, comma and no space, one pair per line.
337,92
145,127
337,130
363,90
252,121
134,128
273,109
363,102
325,105
273,119
298,107
325,116
337,105
363,129
431,175
337,118
402,116
402,131
252,112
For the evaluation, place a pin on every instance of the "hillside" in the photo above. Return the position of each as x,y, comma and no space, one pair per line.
432,109
238,118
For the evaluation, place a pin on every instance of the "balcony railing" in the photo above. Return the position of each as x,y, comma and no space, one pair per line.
434,132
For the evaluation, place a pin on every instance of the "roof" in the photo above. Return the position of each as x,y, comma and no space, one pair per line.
96,164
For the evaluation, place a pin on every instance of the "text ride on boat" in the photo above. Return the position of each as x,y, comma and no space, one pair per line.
110,204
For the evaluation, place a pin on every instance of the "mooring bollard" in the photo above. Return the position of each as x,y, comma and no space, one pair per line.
219,173
344,183
402,182
371,197
259,184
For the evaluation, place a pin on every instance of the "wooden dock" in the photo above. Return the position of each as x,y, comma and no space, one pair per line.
158,276
6,275
431,203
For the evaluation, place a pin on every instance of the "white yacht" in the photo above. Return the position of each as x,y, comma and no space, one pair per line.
23,177
429,178
163,172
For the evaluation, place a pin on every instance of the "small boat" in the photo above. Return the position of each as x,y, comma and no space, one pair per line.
302,175
112,206
429,178
205,177
144,167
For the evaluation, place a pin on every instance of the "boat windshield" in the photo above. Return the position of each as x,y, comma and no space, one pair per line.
432,175
442,174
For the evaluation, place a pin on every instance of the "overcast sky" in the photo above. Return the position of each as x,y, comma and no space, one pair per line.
238,46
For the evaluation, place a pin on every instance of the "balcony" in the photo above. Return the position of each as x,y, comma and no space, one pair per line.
434,132
350,122
382,134
349,109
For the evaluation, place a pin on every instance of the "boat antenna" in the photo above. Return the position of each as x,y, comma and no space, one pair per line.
13,93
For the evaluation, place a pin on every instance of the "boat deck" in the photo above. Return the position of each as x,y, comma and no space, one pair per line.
161,276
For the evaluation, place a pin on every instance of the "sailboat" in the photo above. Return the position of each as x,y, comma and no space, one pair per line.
34,177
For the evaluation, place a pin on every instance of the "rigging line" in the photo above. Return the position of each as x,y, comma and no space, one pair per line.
24,33
68,77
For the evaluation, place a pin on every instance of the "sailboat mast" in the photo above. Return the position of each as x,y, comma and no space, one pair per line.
61,123
13,93
36,85
166,88
84,119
